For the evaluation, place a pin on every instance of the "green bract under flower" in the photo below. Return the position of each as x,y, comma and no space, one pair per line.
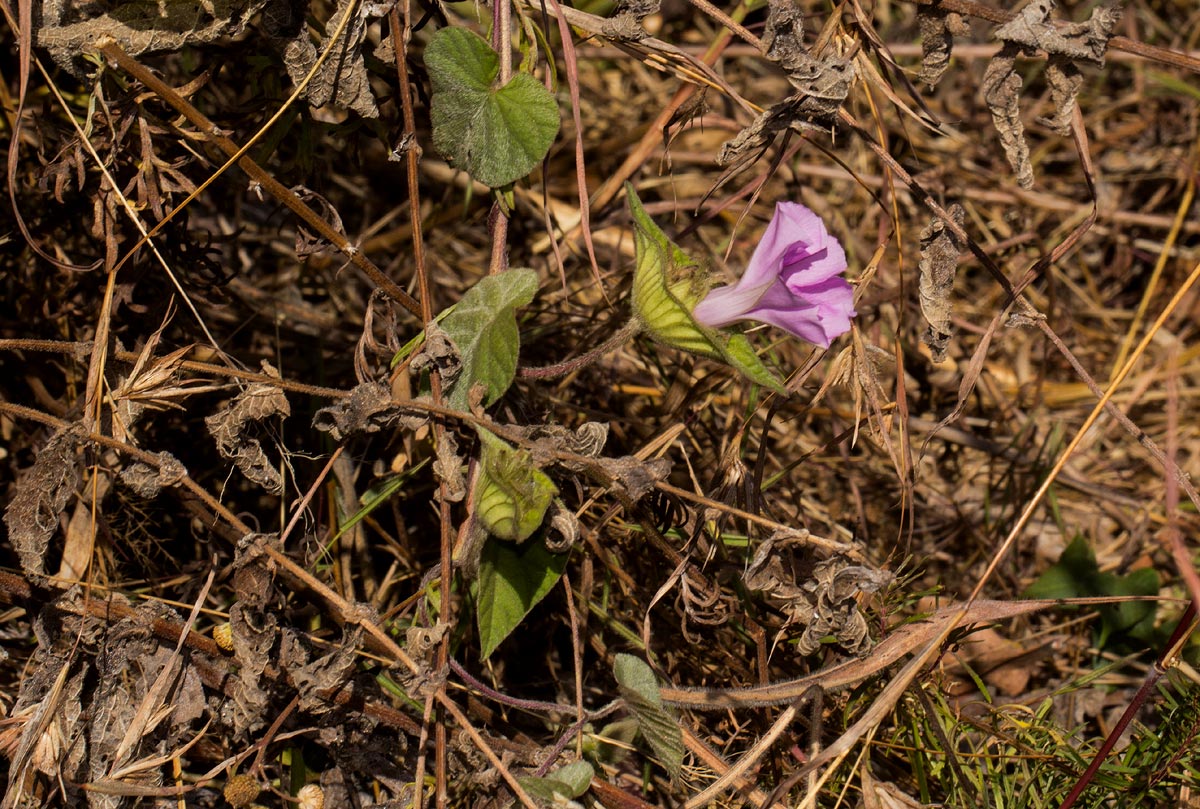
667,286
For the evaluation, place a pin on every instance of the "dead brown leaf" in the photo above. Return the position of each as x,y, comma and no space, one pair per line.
41,496
1028,32
256,403
70,28
938,29
940,250
342,78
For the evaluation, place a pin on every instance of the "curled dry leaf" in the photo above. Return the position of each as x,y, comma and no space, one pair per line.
938,29
563,528
47,719
821,87
253,633
1002,93
342,78
1087,41
253,570
783,37
421,643
124,723
1027,33
228,427
315,676
626,24
41,496
821,597
448,467
547,442
147,481
635,476
439,352
368,409
940,250
308,243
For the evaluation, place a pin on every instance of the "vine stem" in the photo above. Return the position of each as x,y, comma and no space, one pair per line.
623,335
498,217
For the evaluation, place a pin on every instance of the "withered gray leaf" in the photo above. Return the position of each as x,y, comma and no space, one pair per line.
820,596
626,24
1002,94
938,29
41,496
833,592
635,476
448,467
253,572
368,409
1030,31
70,28
229,428
342,78
314,677
309,243
783,36
128,664
51,729
547,441
253,633
1065,80
821,92
821,87
439,352
147,481
563,528
940,250
623,27
823,80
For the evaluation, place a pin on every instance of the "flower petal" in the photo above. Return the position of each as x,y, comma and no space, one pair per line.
791,223
794,281
807,264
724,305
820,315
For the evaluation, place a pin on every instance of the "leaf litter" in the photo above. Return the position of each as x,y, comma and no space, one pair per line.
694,542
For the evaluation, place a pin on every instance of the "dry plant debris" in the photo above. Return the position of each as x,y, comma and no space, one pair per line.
337,472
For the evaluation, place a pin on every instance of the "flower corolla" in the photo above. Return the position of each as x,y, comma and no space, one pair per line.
794,281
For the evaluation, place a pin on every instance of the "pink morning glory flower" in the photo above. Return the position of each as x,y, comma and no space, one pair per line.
794,281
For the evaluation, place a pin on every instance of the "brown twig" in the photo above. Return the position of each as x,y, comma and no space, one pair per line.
276,189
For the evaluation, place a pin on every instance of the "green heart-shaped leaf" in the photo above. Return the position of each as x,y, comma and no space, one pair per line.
512,580
496,134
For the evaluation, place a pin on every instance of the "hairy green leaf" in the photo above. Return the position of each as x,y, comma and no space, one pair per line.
496,134
639,688
483,326
566,782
